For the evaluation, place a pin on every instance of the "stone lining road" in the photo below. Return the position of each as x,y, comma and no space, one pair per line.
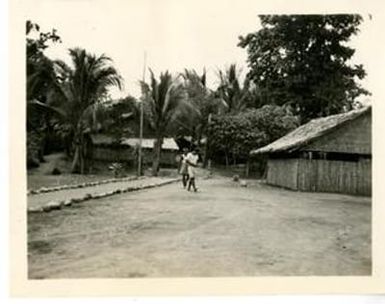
36,201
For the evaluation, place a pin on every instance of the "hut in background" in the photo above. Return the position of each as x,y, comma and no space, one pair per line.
108,149
329,154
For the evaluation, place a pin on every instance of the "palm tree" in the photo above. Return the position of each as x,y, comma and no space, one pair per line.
204,105
198,98
164,101
232,92
78,92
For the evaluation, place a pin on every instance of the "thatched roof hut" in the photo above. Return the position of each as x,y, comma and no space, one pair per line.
147,143
329,154
310,132
108,148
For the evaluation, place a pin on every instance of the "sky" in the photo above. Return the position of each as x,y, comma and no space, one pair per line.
174,34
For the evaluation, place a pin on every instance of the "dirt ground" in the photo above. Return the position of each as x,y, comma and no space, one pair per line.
223,230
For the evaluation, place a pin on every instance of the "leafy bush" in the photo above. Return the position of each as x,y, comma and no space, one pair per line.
232,137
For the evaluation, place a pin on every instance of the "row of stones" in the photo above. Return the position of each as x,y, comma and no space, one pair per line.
56,205
83,185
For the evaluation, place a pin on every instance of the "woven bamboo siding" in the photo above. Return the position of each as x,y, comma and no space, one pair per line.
352,137
282,172
335,176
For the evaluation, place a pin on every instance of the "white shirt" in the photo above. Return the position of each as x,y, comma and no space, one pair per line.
192,159
184,157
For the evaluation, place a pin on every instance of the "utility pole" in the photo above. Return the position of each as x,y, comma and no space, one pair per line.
141,120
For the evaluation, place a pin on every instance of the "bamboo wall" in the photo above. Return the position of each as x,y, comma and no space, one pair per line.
283,172
335,176
321,175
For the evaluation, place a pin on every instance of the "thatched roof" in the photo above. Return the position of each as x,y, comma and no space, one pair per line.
147,143
309,132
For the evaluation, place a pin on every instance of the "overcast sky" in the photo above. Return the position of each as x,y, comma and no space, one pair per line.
175,34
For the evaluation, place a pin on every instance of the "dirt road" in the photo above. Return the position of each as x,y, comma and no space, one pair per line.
223,230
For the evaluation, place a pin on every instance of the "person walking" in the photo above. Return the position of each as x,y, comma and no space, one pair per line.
184,167
192,162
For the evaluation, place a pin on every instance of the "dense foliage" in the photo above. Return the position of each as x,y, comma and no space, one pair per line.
40,69
233,136
40,79
119,118
303,60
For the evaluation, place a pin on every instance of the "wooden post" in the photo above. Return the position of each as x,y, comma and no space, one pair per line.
247,167
141,123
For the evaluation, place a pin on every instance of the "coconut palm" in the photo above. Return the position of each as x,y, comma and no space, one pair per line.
198,97
163,102
232,92
204,101
204,104
78,92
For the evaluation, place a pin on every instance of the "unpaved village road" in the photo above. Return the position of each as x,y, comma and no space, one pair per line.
224,230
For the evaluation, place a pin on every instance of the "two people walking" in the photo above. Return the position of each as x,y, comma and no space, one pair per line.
189,162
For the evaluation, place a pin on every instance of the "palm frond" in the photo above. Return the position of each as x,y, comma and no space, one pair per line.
46,107
163,100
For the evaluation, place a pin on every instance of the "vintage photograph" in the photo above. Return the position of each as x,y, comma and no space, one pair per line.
171,139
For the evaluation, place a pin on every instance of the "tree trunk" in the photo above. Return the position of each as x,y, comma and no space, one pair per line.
199,139
78,163
156,155
193,137
247,169
75,161
227,159
206,153
82,159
